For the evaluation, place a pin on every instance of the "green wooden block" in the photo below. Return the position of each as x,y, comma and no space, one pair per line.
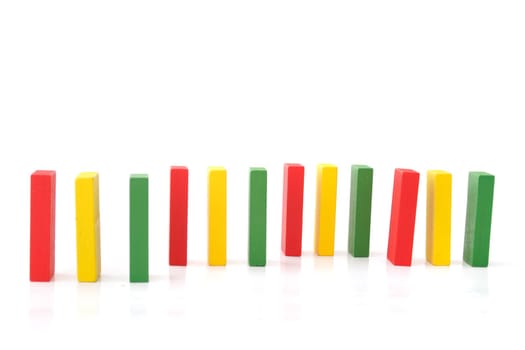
479,219
138,228
360,211
257,217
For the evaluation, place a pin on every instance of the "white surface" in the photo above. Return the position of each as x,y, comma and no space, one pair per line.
126,86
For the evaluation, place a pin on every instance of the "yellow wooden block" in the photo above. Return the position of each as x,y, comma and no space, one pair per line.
439,207
88,227
216,216
325,209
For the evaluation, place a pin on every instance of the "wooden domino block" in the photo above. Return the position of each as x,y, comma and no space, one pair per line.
42,230
257,217
479,219
325,209
360,211
439,207
292,220
88,227
138,228
403,217
216,216
178,216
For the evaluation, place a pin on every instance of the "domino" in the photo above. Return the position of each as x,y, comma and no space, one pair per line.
292,218
439,207
360,211
325,209
403,217
88,227
42,226
217,216
138,228
479,219
257,217
178,251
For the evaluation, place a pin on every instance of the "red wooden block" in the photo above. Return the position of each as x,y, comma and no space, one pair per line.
403,217
178,216
292,233
42,227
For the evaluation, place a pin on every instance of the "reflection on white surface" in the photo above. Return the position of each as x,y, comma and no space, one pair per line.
88,299
358,274
290,287
138,299
341,289
398,280
41,302
476,281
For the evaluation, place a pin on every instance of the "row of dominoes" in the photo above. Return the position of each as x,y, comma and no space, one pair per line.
402,221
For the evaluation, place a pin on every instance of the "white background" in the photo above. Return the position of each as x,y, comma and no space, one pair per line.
136,86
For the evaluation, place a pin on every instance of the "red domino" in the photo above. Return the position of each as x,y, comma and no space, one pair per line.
291,243
403,217
179,216
42,230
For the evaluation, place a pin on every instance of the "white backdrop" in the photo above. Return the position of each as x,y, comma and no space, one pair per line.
128,86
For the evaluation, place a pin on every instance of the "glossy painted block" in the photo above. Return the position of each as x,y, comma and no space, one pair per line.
325,209
138,228
88,227
292,219
403,217
360,211
257,217
439,208
479,219
178,250
42,230
216,216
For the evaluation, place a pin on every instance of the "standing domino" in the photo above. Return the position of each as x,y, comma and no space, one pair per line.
257,217
42,231
403,217
88,227
216,216
292,224
439,207
138,229
360,211
326,196
178,216
479,219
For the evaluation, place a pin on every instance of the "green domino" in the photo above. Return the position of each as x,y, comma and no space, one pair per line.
138,228
360,211
257,218
479,219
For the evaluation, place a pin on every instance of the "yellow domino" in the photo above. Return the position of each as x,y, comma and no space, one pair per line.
216,216
439,207
88,227
325,209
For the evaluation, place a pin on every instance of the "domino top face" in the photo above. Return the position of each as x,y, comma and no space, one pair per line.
50,173
88,175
